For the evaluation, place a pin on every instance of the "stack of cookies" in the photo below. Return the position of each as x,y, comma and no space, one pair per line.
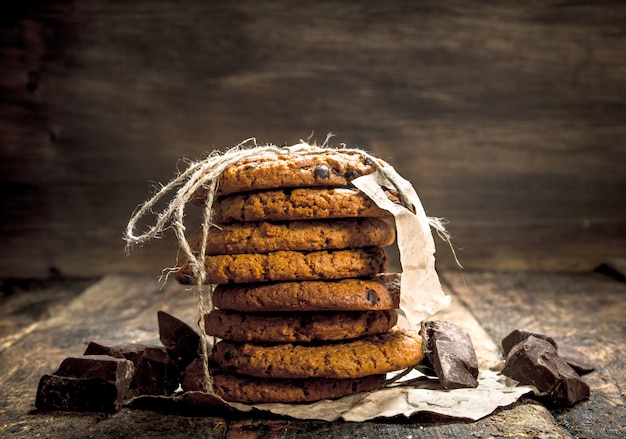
304,309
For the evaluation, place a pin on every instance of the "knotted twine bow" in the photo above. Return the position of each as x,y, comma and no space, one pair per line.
205,174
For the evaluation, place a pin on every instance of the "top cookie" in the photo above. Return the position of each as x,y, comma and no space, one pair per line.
331,168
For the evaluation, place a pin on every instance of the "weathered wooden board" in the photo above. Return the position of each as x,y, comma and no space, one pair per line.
506,116
124,308
586,311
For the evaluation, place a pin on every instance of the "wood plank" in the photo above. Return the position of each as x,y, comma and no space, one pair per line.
120,308
123,308
586,311
526,419
506,116
23,303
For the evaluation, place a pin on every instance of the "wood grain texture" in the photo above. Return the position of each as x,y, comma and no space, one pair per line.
119,308
585,311
506,116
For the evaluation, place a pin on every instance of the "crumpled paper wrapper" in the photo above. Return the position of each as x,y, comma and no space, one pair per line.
422,296
413,394
421,293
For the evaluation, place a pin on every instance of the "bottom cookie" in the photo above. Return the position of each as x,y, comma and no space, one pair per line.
248,390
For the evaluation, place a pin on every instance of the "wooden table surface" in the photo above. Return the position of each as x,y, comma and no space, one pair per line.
43,322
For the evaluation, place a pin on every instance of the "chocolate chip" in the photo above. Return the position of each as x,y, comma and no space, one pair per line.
230,354
350,174
380,257
451,353
372,297
321,172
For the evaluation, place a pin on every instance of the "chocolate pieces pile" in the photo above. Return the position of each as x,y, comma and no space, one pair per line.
536,359
109,372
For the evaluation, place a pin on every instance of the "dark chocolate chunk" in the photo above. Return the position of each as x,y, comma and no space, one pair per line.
92,383
180,340
536,362
570,388
321,172
451,353
572,356
156,373
426,367
193,377
520,335
578,361
105,367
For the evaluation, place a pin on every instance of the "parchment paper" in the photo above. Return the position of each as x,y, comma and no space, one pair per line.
421,293
415,393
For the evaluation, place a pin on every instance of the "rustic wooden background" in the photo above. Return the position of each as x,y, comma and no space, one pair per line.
507,116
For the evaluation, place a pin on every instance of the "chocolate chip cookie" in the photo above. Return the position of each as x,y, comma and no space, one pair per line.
294,327
288,266
372,355
266,237
380,292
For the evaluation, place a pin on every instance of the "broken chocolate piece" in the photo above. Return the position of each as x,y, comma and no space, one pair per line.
578,361
536,362
92,383
520,335
180,340
451,353
193,377
572,356
155,371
